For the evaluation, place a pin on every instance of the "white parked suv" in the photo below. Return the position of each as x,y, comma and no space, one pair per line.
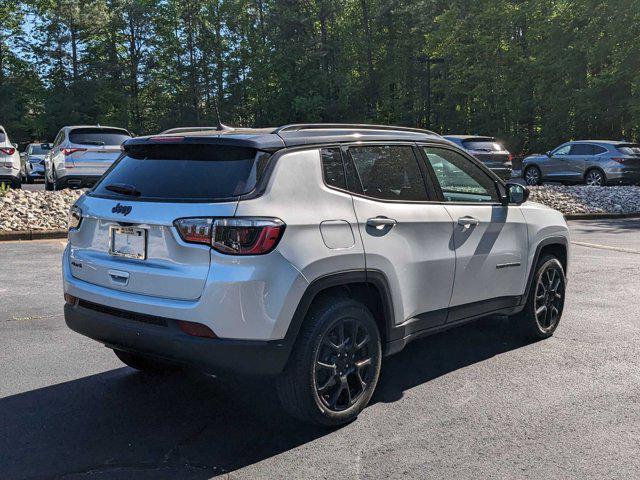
307,252
10,168
81,154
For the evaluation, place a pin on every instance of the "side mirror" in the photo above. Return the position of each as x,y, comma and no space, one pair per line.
516,194
45,146
548,154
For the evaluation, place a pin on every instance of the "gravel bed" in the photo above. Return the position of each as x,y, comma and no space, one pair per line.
23,210
583,199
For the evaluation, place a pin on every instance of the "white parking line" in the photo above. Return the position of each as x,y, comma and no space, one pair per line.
607,247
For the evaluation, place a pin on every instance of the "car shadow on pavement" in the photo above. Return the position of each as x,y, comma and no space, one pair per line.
429,358
124,424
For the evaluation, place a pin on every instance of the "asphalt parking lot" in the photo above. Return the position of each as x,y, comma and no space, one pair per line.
474,402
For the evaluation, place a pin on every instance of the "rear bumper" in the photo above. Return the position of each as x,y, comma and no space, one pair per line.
630,176
76,181
169,343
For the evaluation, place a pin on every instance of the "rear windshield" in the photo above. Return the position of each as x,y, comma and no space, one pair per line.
98,136
183,173
630,149
37,150
3,137
482,144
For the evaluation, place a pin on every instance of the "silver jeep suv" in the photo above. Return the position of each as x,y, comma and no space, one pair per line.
307,252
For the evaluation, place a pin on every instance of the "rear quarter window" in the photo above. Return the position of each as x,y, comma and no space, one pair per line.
197,173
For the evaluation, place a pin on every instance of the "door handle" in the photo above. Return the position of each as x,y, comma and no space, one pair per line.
466,222
381,222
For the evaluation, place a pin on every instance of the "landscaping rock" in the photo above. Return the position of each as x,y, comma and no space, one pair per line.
22,210
581,199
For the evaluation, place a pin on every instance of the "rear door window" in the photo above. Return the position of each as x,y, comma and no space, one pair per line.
98,136
183,173
389,172
581,149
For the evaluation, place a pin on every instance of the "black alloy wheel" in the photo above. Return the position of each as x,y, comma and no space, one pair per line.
344,364
549,298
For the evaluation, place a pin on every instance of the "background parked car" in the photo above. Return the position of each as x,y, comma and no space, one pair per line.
81,154
9,162
488,150
33,161
593,162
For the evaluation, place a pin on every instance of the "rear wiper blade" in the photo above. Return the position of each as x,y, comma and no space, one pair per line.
123,189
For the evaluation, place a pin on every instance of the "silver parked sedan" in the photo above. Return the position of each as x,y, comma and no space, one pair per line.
592,162
488,150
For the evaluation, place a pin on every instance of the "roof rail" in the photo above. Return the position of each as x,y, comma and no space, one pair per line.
354,126
187,129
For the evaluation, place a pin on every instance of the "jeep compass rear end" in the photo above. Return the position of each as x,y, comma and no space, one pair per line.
306,252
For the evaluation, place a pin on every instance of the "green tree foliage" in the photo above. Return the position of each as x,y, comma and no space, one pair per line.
534,73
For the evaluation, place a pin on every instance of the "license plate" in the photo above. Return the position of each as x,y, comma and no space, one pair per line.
128,242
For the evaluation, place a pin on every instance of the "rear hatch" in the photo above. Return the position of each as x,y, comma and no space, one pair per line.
631,152
127,239
92,150
489,151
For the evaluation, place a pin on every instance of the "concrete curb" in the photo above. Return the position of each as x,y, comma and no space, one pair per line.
32,235
600,216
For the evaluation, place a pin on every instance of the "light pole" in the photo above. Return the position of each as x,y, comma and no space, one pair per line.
428,61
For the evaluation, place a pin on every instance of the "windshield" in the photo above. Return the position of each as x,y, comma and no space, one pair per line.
37,150
98,136
183,173
482,144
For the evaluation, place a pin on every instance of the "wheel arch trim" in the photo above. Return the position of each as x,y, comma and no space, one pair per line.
545,242
323,283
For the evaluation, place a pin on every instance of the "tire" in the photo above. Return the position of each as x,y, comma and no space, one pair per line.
532,176
546,294
595,178
142,363
48,186
314,387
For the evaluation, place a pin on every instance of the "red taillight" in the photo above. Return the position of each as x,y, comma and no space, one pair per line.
619,159
233,236
196,329
511,157
8,151
69,151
